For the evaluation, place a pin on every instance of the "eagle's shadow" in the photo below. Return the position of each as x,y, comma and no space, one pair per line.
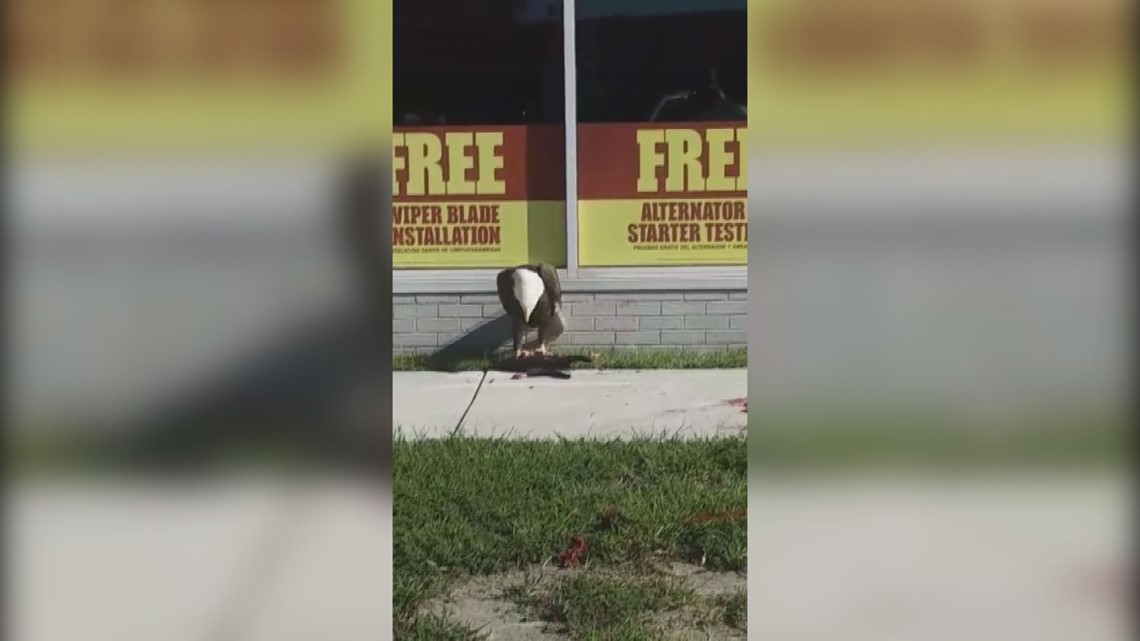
485,341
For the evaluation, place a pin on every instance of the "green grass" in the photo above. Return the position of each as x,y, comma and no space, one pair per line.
607,359
1064,438
630,605
597,606
430,627
732,609
466,506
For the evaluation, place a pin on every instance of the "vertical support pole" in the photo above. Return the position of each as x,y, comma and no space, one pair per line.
570,71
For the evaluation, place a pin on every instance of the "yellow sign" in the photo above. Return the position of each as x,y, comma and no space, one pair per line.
469,197
632,233
662,195
487,235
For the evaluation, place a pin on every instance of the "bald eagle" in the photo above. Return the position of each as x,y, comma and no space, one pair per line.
532,297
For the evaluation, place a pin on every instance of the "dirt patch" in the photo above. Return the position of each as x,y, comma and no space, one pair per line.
709,584
484,604
679,602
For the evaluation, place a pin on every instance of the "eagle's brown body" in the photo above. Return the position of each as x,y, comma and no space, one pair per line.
546,316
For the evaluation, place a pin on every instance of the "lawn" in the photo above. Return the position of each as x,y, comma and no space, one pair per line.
607,359
834,439
484,522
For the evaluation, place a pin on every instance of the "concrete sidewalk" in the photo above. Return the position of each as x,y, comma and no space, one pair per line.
592,403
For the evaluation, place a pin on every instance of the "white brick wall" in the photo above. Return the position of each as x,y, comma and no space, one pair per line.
689,320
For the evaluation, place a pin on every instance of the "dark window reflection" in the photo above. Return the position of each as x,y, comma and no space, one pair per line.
662,60
487,62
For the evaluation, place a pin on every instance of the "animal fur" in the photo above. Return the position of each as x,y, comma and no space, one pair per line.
537,366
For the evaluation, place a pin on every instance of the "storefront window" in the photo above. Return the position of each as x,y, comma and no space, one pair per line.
662,125
479,138
645,60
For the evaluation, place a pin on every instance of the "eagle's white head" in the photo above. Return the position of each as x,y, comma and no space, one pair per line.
528,290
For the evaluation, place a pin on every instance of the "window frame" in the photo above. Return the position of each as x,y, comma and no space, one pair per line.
575,278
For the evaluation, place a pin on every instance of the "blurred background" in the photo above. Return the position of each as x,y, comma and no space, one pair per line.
198,409
939,373
940,402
